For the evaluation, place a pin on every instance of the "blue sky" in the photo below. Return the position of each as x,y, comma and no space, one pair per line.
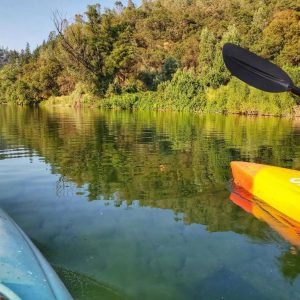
31,21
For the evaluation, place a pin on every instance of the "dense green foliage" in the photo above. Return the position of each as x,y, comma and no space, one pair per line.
115,58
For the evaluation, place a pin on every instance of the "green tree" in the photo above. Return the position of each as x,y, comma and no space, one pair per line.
206,56
281,38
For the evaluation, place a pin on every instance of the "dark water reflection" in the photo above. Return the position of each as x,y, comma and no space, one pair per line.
136,205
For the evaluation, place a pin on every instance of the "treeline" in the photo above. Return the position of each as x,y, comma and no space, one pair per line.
161,55
9,56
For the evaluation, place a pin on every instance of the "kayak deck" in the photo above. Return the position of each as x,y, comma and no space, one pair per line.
24,272
278,187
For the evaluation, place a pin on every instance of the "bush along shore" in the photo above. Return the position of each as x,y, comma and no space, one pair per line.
162,55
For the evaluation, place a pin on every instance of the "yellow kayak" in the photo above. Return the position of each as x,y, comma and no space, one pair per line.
278,187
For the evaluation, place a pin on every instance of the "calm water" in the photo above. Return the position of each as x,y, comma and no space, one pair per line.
136,205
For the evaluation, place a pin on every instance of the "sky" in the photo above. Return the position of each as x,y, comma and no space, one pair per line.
23,21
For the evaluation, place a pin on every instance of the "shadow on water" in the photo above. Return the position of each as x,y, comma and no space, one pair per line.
145,196
225,284
83,287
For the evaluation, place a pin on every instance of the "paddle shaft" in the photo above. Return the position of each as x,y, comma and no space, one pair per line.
295,90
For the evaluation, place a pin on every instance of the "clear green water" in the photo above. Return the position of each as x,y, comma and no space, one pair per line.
136,205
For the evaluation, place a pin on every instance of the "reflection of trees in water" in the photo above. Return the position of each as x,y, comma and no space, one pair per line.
64,187
289,263
165,160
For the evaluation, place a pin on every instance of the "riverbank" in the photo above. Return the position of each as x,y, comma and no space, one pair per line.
186,94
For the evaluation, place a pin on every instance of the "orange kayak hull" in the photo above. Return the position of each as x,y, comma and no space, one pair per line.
278,187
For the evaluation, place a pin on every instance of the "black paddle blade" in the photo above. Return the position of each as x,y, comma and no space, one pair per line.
256,71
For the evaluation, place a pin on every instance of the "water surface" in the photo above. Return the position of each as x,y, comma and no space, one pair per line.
129,205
